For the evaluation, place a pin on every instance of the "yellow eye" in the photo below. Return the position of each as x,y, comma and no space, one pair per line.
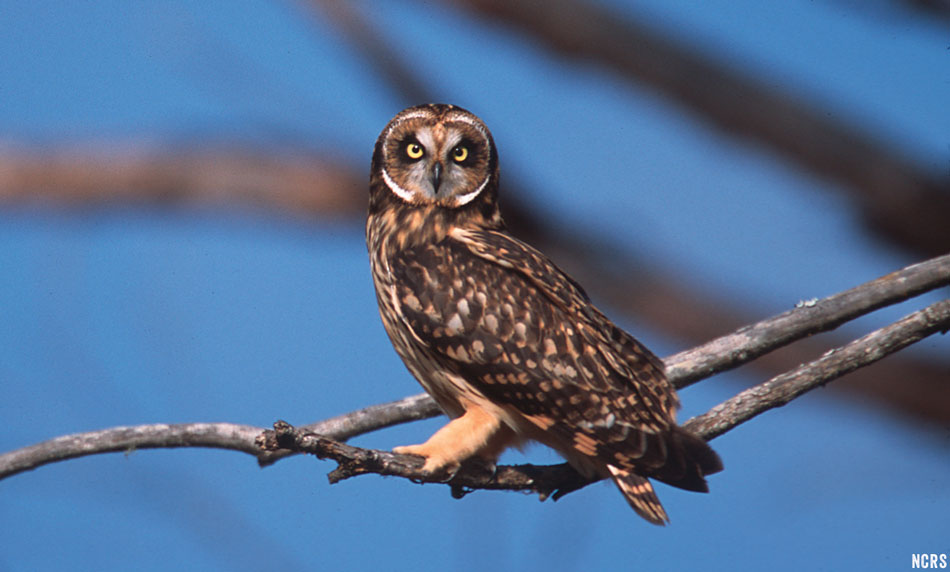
460,153
415,151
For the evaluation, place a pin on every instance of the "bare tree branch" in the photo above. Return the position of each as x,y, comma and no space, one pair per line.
355,461
366,420
209,435
560,480
323,438
806,319
128,439
835,363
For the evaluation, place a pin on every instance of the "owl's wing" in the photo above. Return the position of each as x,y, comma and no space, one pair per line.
523,333
635,362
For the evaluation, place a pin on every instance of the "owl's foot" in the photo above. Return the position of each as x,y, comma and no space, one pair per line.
436,463
477,433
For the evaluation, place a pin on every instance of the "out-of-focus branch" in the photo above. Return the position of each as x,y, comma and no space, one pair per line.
88,174
311,184
359,33
651,293
899,201
936,8
317,185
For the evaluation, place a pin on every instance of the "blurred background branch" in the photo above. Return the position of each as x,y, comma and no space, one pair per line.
899,201
182,194
127,172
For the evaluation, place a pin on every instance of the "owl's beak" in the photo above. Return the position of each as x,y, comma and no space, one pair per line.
435,177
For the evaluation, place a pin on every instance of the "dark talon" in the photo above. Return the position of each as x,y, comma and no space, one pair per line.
451,474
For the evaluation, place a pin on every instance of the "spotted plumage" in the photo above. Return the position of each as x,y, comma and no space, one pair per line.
510,346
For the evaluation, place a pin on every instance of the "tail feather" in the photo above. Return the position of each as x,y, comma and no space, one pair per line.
640,494
689,460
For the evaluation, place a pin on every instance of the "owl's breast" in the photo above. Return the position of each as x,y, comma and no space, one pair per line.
446,387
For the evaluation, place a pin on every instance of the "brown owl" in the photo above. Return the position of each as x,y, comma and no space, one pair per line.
510,346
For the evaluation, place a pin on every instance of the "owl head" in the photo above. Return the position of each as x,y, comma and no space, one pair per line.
435,155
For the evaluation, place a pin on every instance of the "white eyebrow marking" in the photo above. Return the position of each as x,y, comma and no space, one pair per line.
392,124
414,115
418,113
471,121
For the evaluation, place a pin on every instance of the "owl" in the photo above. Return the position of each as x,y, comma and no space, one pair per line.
508,345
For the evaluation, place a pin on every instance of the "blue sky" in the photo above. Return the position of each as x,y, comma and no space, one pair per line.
123,314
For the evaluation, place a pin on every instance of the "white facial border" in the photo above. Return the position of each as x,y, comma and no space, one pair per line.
407,195
402,193
469,197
